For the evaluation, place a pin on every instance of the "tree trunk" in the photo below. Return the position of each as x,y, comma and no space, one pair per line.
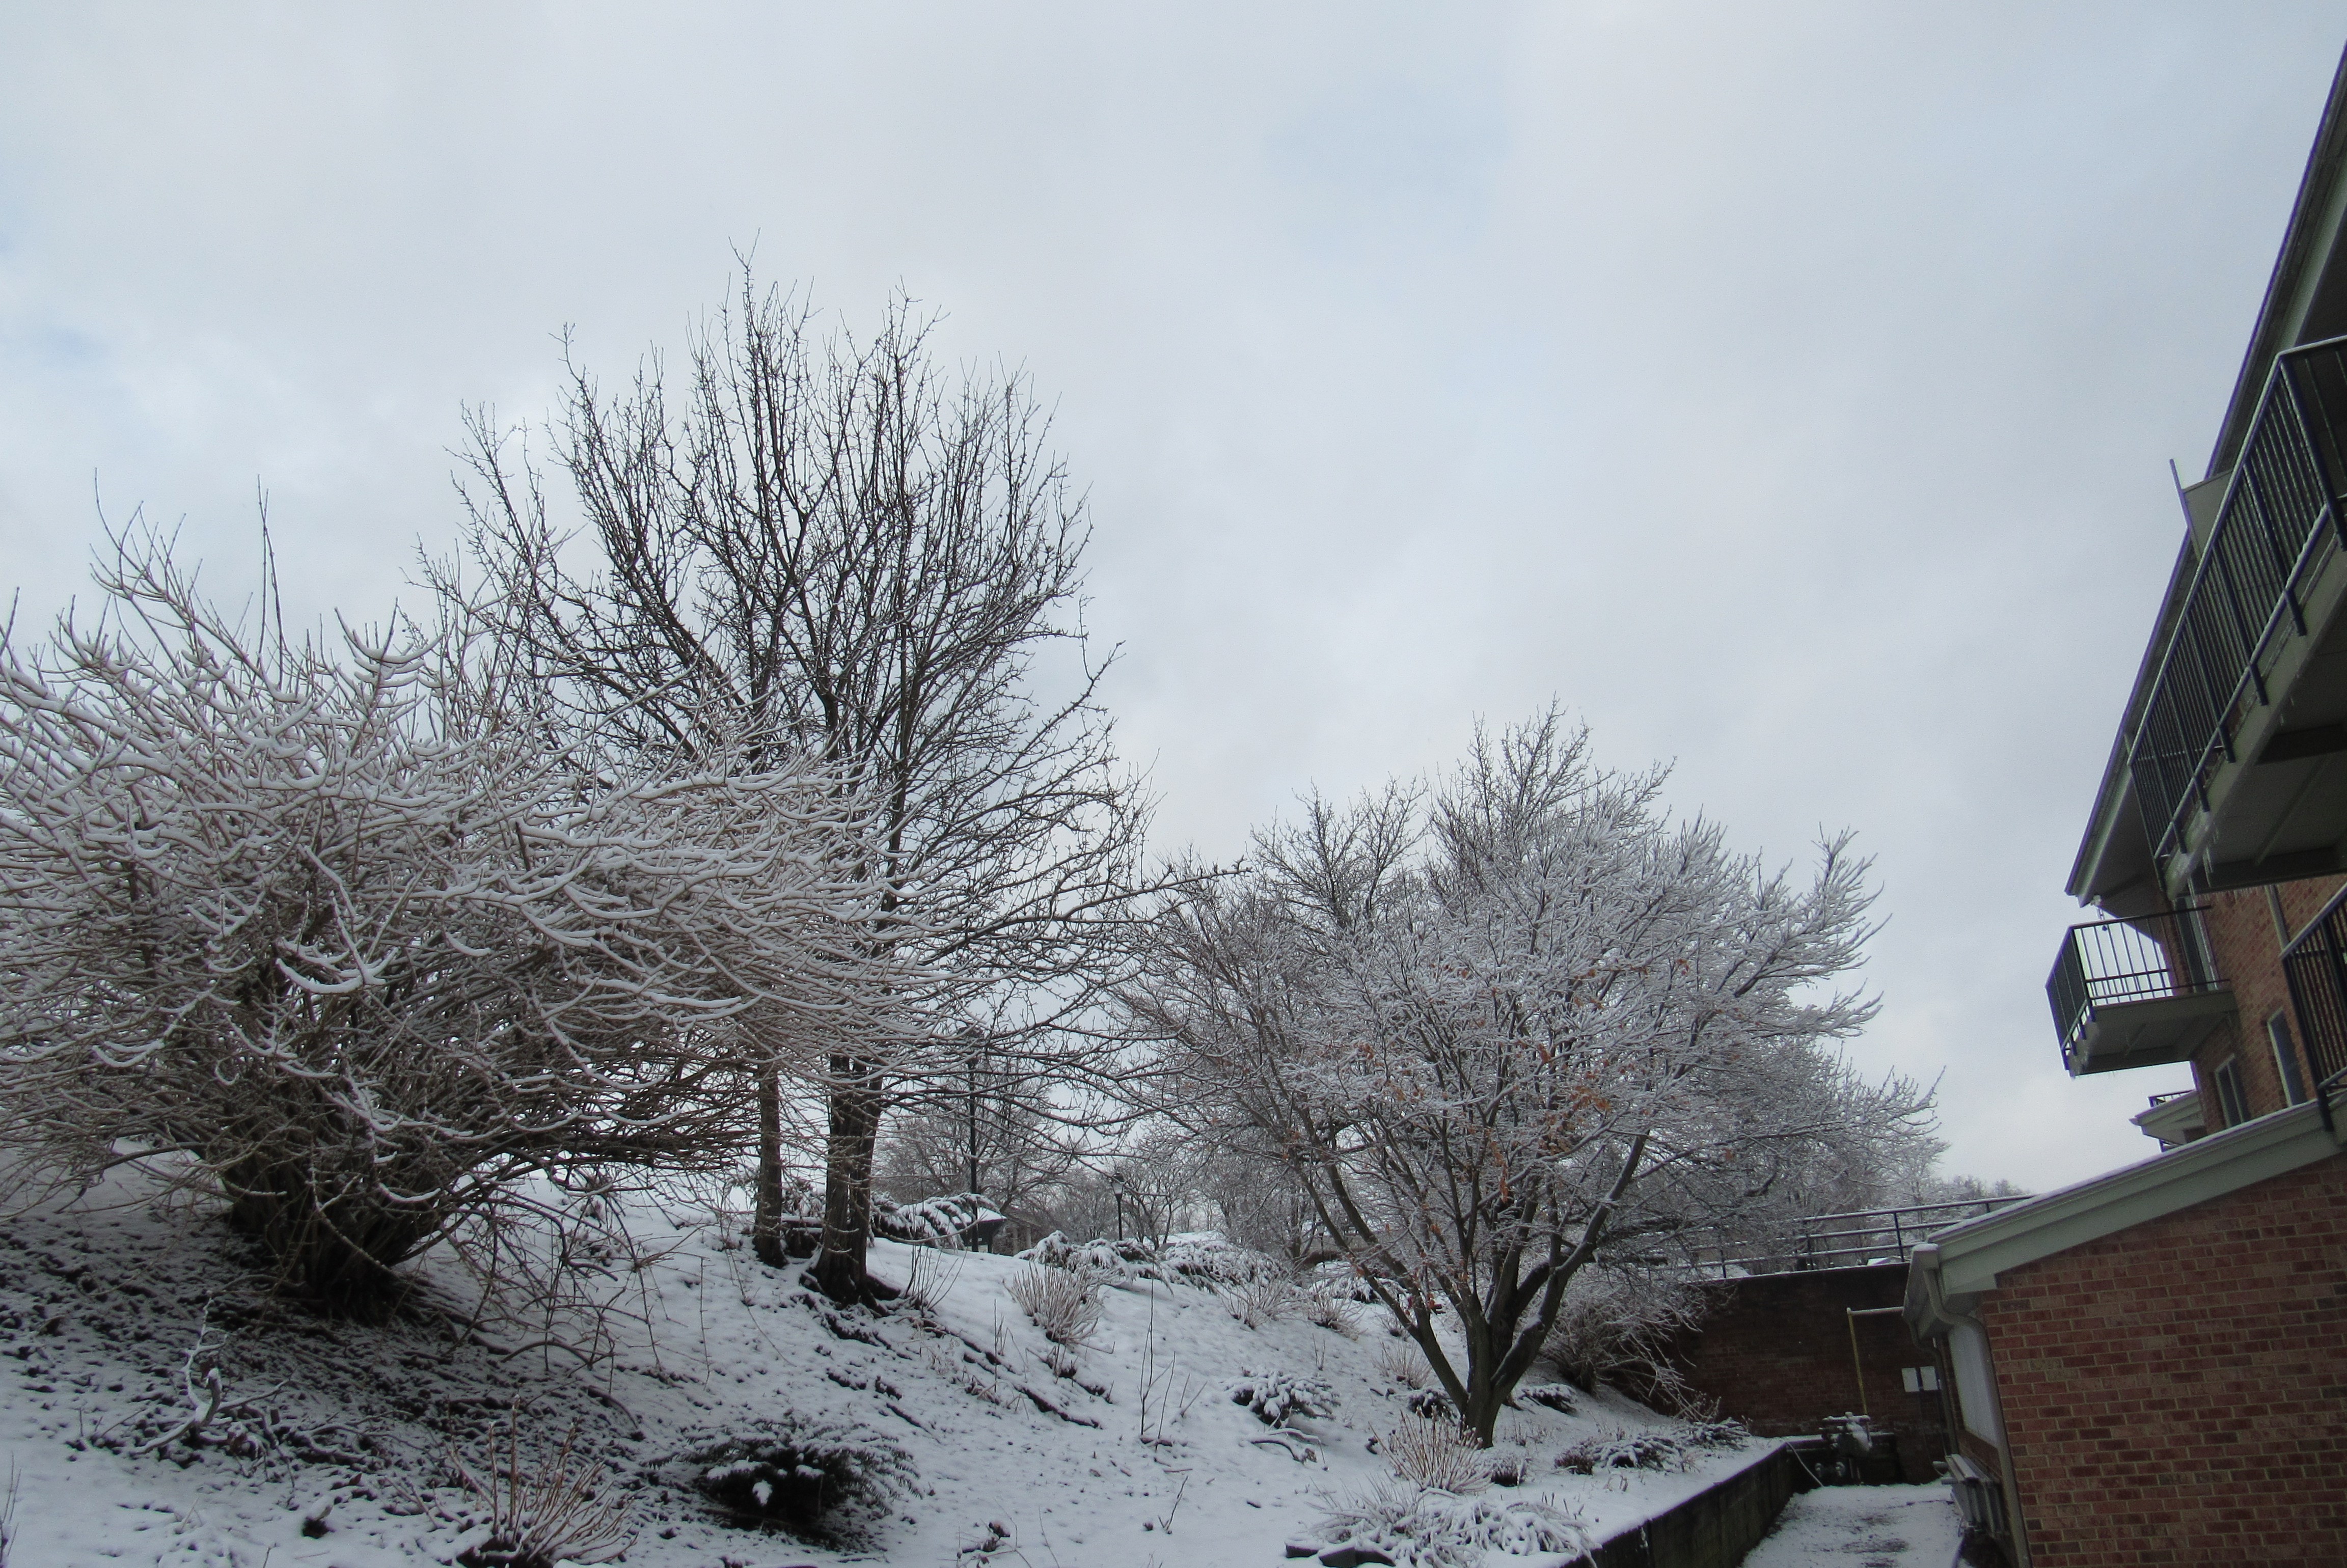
855,1106
766,1223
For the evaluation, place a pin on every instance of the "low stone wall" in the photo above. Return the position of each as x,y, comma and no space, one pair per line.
1716,1526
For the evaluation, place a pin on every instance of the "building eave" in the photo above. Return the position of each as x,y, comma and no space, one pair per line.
2113,866
2288,289
1965,1260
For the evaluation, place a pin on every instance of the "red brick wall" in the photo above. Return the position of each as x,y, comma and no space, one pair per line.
1775,1352
2248,950
2177,1393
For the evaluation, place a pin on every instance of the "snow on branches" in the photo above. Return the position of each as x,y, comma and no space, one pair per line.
356,936
1504,1024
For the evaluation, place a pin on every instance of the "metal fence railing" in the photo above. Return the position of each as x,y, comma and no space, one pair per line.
2108,962
1837,1241
2269,539
2316,965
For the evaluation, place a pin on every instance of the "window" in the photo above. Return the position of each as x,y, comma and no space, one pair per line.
2231,1104
2285,1049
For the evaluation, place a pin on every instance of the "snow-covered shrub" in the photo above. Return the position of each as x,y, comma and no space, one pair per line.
1433,1530
1509,1468
797,1472
1436,1452
1716,1434
1206,1258
357,938
1561,1398
1398,1362
1342,1281
1198,1258
940,1222
1257,1302
1332,1309
1065,1303
1111,1261
539,1517
1274,1396
1430,1404
1622,1451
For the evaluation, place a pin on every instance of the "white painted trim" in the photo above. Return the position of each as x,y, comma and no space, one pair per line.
1968,1257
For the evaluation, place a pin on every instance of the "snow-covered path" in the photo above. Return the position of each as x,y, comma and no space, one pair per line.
1862,1527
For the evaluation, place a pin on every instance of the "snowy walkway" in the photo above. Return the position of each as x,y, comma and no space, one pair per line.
1863,1527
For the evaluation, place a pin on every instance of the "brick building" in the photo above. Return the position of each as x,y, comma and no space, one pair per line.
2151,1367
1781,1352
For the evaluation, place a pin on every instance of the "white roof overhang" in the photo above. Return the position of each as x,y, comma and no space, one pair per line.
1958,1265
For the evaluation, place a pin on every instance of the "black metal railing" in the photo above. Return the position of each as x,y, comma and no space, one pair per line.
1836,1241
2108,962
2317,965
2268,538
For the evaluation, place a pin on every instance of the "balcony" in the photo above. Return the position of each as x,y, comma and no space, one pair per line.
2225,759
2317,965
2136,993
2174,1120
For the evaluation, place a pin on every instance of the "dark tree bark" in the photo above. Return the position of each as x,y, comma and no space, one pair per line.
855,1106
766,1220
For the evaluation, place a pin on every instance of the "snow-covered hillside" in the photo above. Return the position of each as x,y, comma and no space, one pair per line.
340,1446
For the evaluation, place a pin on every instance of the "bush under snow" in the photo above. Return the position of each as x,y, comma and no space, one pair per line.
1258,1302
1064,1303
940,1222
1561,1398
1622,1451
1433,1530
356,938
797,1472
1437,1453
1276,1394
1201,1259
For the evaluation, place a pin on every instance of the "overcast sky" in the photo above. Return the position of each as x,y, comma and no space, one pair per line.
1788,390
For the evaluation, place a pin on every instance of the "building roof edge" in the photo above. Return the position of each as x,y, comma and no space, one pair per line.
1969,1256
2275,312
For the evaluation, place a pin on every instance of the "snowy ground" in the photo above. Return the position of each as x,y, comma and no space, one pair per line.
1863,1527
342,1454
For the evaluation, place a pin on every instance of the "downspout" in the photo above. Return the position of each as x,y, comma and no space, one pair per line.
1923,1267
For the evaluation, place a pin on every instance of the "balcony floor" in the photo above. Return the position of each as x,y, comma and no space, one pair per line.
2153,1033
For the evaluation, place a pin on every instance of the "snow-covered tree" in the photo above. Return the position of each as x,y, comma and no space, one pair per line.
1256,1200
353,937
990,1130
839,549
1501,1026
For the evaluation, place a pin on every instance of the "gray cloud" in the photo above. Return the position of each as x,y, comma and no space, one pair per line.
1787,389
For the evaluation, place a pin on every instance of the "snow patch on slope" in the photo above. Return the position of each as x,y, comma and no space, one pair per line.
337,1445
